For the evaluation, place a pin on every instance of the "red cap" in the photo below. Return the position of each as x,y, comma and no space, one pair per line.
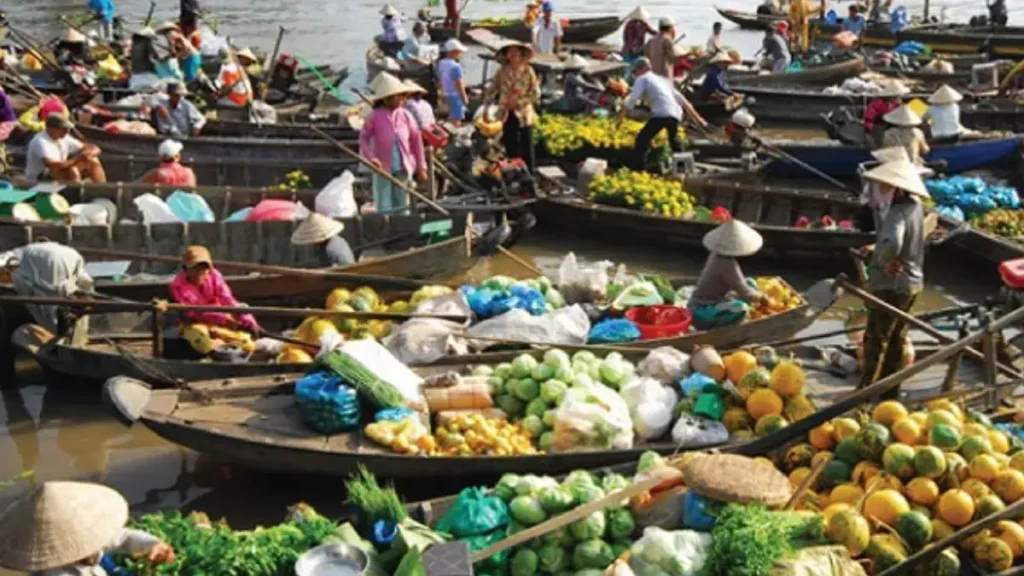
782,27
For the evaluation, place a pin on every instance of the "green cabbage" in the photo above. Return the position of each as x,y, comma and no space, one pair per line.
584,493
523,365
543,284
577,477
549,418
552,558
593,553
555,298
585,356
588,527
496,384
537,407
612,370
482,370
613,482
557,359
524,563
531,484
566,374
498,282
620,546
511,405
527,509
620,523
649,459
525,389
506,487
555,499
542,373
503,370
532,425
553,391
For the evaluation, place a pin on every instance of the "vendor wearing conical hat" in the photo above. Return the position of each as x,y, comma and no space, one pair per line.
65,528
635,32
391,139
944,114
393,25
889,98
896,269
904,130
517,90
877,198
324,235
715,86
723,295
72,48
581,93
217,333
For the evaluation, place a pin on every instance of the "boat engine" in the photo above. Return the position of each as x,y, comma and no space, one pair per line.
1011,295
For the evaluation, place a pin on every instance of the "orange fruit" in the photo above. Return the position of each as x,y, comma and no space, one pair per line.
923,491
885,506
764,402
956,507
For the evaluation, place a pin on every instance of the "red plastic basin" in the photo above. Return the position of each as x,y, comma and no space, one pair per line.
661,321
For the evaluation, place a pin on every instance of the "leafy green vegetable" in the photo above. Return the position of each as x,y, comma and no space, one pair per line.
553,391
511,405
537,407
506,487
555,500
524,563
532,425
527,510
620,546
649,459
542,373
377,503
586,493
620,523
589,527
748,540
547,440
503,370
523,365
593,553
526,389
552,558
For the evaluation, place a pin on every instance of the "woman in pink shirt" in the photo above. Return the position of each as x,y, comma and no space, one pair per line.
391,140
170,172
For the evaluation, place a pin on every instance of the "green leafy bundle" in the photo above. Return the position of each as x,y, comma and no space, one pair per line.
749,539
375,502
372,388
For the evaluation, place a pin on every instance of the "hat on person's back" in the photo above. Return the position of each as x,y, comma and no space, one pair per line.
902,174
734,239
247,54
316,229
722,57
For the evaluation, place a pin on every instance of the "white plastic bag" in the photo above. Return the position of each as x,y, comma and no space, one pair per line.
154,210
337,199
582,284
592,417
425,340
590,169
650,406
694,431
565,326
453,304
666,365
669,553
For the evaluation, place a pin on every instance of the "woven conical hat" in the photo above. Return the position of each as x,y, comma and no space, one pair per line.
903,116
945,95
316,229
414,87
733,478
576,62
73,36
898,154
734,238
638,13
722,56
893,89
385,85
60,523
389,10
902,174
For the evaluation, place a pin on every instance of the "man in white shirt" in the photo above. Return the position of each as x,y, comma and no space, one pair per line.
667,108
944,114
714,44
547,33
54,154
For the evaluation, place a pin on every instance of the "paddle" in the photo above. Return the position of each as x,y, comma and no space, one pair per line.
264,85
782,154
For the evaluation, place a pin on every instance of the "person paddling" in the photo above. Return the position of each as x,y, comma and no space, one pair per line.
723,294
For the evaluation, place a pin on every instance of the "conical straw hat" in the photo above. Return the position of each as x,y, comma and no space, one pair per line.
60,523
734,238
945,95
316,229
73,36
903,116
385,85
576,62
893,89
414,87
526,48
389,10
898,154
247,54
638,13
901,174
722,56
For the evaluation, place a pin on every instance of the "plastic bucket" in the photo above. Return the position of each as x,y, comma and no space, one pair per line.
52,206
661,321
22,211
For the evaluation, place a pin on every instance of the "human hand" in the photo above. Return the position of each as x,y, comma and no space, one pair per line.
162,553
377,164
894,268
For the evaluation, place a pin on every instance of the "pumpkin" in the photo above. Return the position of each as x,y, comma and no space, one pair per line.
988,505
737,418
846,494
947,405
798,475
956,507
885,506
994,554
944,436
946,417
863,472
755,379
850,529
764,403
769,423
1016,461
888,412
1011,533
885,551
292,355
738,364
844,428
898,459
787,379
1000,442
797,456
832,509
976,488
798,407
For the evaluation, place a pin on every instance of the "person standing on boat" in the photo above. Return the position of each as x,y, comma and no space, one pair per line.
635,33
54,154
715,86
723,295
516,89
450,77
890,97
854,22
547,32
905,131
103,12
143,52
50,270
660,51
532,13
324,235
776,47
714,43
72,529
800,12
189,17
421,110
393,25
451,14
944,114
176,116
200,284
392,141
667,108
896,269
171,172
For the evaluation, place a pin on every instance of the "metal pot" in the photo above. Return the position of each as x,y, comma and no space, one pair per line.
333,558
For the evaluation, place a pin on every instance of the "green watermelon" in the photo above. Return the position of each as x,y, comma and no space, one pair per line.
944,437
929,462
872,440
836,472
914,528
848,452
898,460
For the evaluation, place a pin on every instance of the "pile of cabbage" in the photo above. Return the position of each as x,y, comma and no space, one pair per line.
585,547
531,392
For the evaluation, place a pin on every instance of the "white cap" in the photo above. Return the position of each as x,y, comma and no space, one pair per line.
169,149
454,45
743,119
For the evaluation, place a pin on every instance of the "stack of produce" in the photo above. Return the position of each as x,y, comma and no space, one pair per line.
642,191
562,134
970,197
295,180
781,297
1002,222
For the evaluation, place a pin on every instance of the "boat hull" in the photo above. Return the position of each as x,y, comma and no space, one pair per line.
576,31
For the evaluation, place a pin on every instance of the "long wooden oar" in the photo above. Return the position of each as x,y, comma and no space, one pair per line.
389,282
787,157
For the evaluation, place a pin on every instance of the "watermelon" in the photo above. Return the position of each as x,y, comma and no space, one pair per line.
898,460
769,423
757,378
914,528
871,441
929,462
848,451
944,437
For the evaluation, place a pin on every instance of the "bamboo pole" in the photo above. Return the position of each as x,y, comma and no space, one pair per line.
268,67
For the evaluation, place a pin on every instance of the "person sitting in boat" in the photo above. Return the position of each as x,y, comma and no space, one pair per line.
740,129
660,51
715,86
413,44
72,49
714,43
581,93
723,295
143,52
896,268
49,270
73,529
547,32
449,76
200,284
176,116
417,104
171,172
854,22
188,56
635,33
904,130
944,114
103,11
776,48
324,235
249,62
234,84
393,25
532,13
393,142
889,98
54,154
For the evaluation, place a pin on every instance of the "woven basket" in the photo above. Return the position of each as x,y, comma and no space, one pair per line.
732,478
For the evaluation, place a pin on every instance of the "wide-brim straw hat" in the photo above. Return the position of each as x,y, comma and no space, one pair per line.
903,116
248,55
898,154
639,13
196,255
72,36
945,95
734,238
734,478
386,85
316,229
902,174
389,10
722,56
166,27
58,524
502,53
893,89
414,87
576,62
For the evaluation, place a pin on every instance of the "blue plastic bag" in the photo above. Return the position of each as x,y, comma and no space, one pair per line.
898,20
951,212
698,512
327,405
189,207
393,414
489,302
695,383
239,215
613,330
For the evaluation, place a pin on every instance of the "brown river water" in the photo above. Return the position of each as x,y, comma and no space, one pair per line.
60,430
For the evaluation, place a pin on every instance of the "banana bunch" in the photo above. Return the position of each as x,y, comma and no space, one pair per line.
561,133
642,191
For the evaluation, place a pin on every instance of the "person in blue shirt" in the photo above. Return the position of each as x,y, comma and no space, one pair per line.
715,86
855,23
103,11
449,76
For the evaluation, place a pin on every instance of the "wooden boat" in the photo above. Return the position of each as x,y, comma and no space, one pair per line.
822,75
577,30
990,115
876,35
281,130
1007,41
